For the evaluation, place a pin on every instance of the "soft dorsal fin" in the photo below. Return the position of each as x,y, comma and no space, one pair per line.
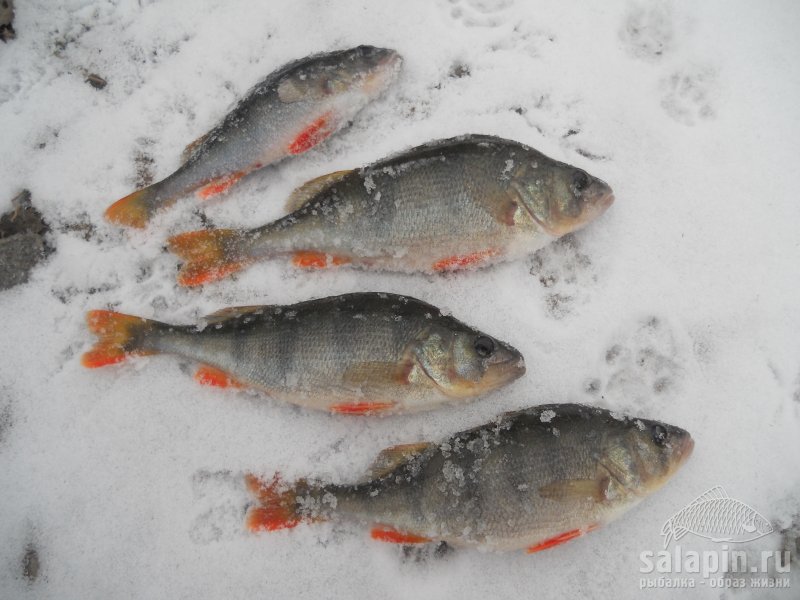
715,493
306,192
233,312
391,458
189,151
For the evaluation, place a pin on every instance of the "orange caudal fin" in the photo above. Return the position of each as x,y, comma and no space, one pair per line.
559,539
362,408
312,135
306,259
384,533
464,261
119,336
207,375
210,254
277,505
134,210
219,185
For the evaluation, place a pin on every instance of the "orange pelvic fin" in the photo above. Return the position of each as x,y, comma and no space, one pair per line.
208,375
560,539
120,336
361,408
312,135
453,263
317,260
278,505
132,210
210,254
219,185
390,534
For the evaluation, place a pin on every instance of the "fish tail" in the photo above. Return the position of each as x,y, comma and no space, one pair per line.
209,255
136,209
120,336
278,506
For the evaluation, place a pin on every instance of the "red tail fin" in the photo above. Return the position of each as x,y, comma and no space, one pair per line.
132,210
120,336
210,254
278,505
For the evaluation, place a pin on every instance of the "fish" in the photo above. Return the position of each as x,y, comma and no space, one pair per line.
716,516
355,354
289,112
529,480
449,204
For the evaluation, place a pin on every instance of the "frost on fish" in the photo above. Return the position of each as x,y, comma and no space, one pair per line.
291,111
450,204
532,479
355,354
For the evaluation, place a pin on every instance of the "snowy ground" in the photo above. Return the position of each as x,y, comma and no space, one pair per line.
681,303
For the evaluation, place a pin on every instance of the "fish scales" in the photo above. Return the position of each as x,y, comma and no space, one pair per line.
338,352
550,472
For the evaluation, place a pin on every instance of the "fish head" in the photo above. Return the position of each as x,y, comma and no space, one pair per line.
463,362
642,455
562,198
365,70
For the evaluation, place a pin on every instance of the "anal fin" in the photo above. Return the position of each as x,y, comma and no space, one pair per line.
208,375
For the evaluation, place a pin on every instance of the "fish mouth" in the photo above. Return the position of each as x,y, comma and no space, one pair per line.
683,450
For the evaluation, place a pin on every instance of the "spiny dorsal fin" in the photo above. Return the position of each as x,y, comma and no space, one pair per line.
309,190
576,489
233,312
189,151
715,493
391,458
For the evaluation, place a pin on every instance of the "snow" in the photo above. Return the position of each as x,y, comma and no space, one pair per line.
679,304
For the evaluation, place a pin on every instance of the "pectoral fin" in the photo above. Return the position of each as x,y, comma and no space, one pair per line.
309,190
376,373
384,533
576,489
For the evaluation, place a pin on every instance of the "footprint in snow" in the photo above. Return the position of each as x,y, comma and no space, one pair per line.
479,13
689,95
223,501
644,363
566,275
647,33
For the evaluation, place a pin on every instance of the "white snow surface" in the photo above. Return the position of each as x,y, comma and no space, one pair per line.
679,304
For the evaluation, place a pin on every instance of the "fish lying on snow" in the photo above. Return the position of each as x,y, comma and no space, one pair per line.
447,205
289,112
356,354
532,479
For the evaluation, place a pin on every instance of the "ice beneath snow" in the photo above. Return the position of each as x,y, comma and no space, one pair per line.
679,304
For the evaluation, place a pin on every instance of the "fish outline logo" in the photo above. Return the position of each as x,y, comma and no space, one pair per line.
716,516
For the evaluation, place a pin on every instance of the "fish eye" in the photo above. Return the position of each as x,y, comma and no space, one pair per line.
367,51
580,181
660,435
484,346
